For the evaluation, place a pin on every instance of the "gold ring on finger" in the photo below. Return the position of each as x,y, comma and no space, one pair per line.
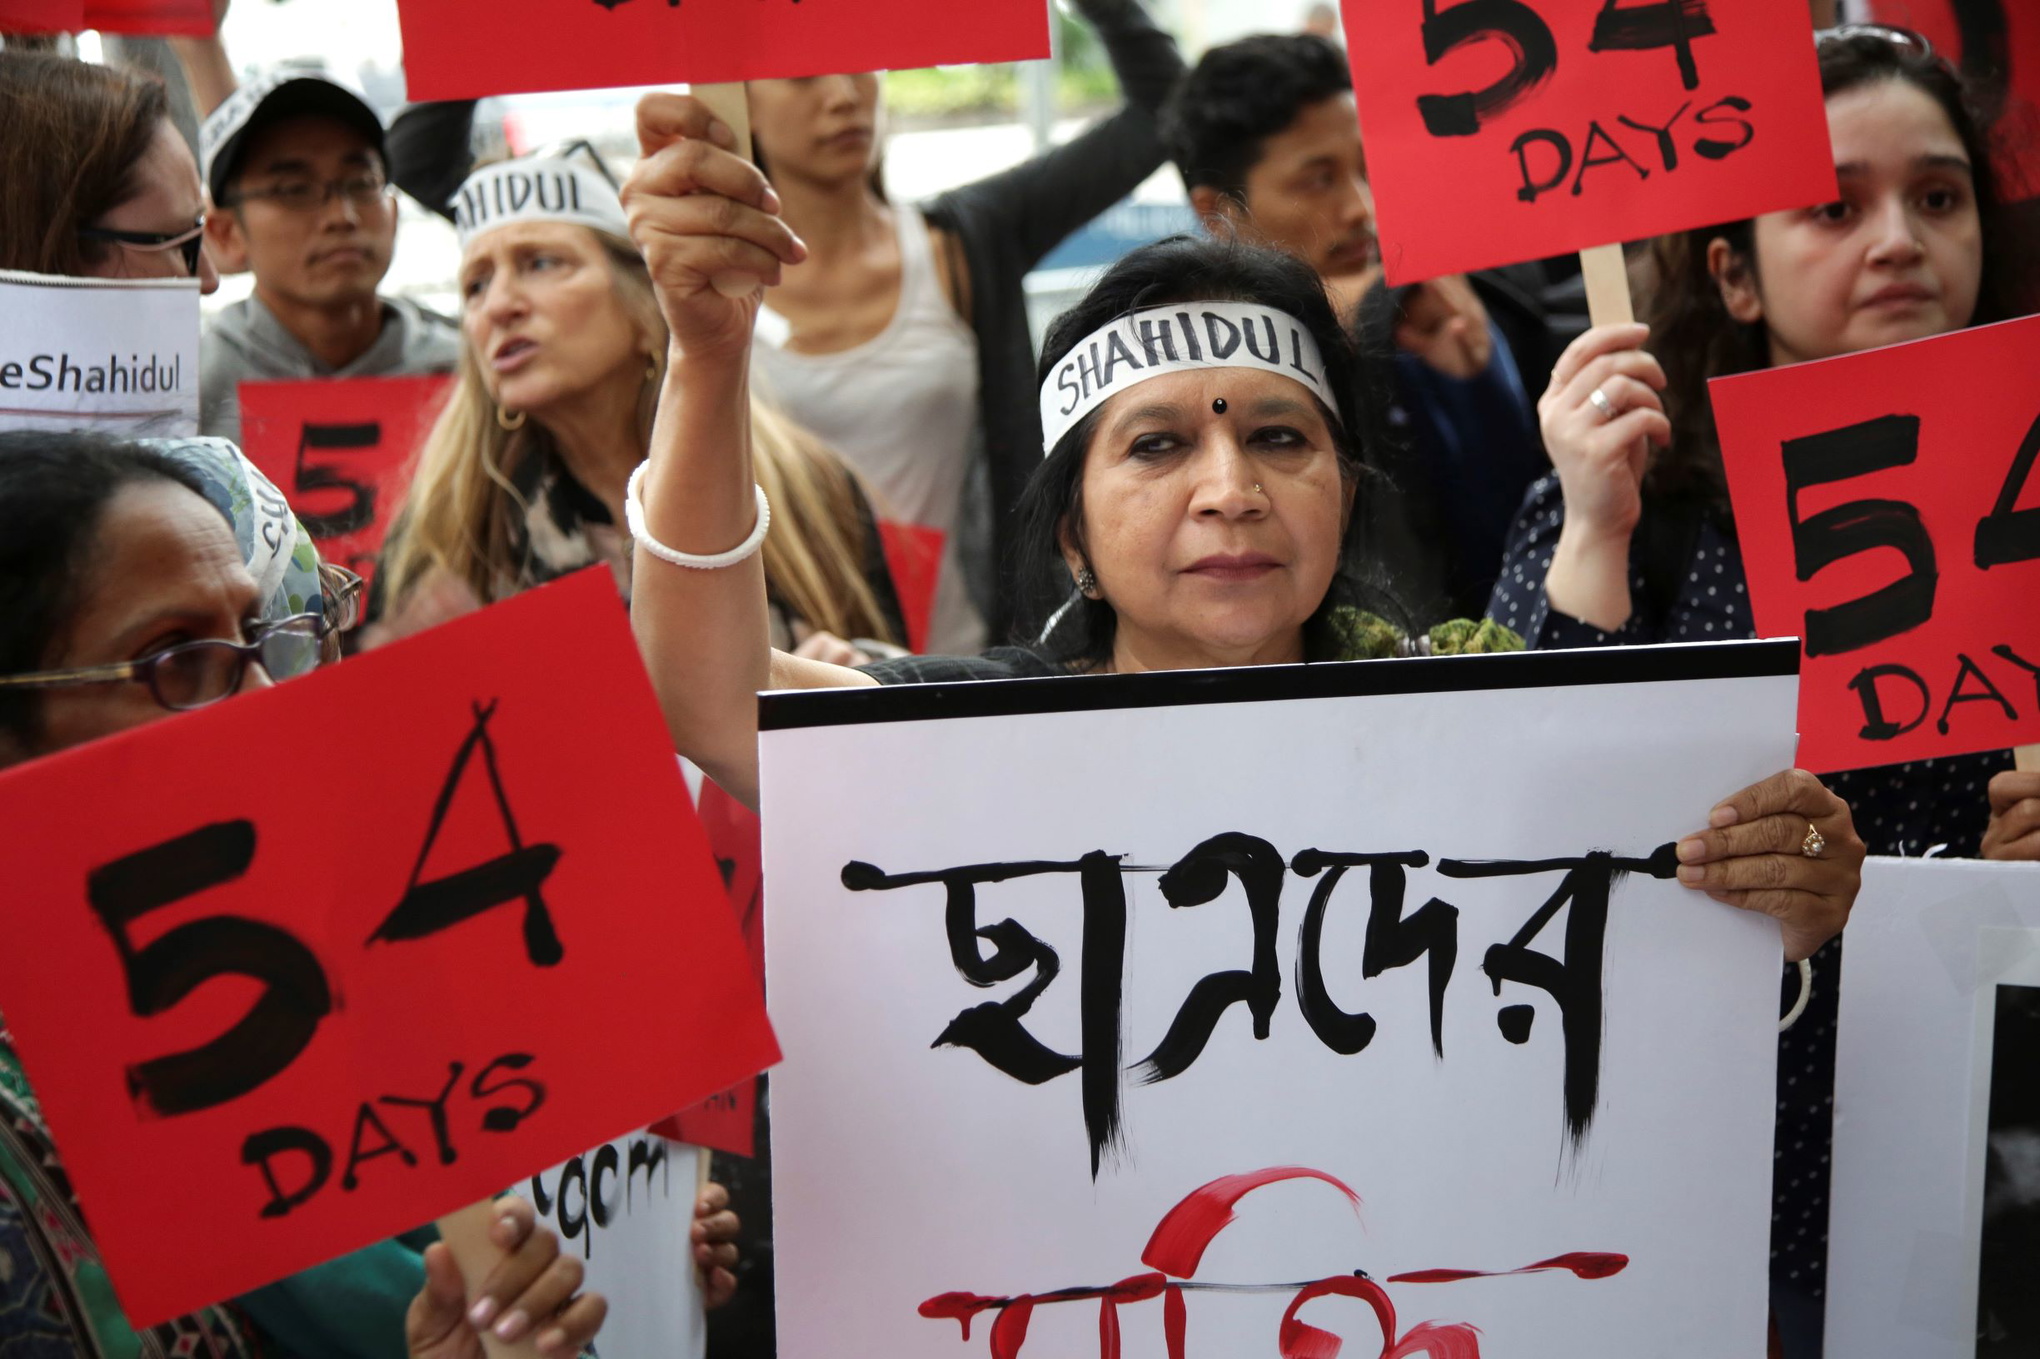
1814,842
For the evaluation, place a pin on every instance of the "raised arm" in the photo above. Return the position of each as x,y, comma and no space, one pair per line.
708,226
1038,202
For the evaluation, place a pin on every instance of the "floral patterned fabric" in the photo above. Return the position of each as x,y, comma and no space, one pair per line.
56,1301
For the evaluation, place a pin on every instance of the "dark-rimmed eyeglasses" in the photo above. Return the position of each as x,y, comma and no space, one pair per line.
190,244
197,674
363,190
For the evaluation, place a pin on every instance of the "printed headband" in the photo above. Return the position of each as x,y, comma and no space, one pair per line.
1176,339
546,187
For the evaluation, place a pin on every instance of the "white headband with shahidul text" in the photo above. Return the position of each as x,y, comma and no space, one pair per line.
1176,339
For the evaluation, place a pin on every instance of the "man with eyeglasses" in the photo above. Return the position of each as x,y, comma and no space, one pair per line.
295,165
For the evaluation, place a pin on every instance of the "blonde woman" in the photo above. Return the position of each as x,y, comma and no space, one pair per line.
522,478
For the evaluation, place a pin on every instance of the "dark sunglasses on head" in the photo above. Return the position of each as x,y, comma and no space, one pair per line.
190,244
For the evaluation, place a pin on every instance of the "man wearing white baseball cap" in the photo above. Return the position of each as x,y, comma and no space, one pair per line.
294,163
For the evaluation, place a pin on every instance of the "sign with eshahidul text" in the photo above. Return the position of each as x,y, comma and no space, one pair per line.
119,355
1304,1010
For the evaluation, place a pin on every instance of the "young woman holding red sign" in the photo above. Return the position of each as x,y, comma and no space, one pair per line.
124,597
1632,540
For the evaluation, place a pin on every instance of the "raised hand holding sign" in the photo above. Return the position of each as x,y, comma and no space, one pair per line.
476,932
1612,120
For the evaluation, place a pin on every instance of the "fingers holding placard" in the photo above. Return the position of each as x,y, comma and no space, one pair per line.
1785,847
2014,830
707,223
1601,417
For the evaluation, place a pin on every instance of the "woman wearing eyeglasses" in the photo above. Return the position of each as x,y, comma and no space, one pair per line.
1632,539
95,182
124,597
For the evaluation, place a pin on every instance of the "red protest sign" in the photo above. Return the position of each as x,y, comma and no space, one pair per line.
184,18
913,557
41,16
322,962
727,1121
463,49
1506,130
1889,513
341,450
158,18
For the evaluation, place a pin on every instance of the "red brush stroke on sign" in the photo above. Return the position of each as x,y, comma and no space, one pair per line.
1888,507
1520,129
1177,1247
459,49
474,933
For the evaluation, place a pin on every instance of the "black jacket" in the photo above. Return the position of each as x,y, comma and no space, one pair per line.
1003,225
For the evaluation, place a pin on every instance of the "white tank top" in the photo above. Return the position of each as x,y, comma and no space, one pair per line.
902,408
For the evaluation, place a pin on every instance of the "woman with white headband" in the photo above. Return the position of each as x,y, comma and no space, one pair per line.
521,479
1198,489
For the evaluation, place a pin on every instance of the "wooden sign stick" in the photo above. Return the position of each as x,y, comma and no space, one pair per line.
1606,274
466,1233
731,102
2026,759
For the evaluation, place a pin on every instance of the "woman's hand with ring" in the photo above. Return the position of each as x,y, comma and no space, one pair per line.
1600,447
1753,856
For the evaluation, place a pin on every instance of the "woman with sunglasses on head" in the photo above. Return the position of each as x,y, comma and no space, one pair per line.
124,597
1632,539
520,480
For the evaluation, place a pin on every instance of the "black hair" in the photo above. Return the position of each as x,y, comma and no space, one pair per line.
1178,269
1241,94
1693,334
54,489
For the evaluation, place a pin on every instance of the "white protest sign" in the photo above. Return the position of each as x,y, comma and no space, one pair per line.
115,354
625,1208
1328,969
1934,1217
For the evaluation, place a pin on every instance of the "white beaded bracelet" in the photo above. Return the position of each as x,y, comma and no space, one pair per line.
634,519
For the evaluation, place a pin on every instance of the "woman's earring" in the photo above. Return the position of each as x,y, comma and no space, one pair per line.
510,420
651,368
1087,584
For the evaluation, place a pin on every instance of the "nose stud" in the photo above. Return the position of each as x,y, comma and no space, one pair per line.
1257,488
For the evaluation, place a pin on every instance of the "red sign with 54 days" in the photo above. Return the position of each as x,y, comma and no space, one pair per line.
1506,130
323,962
1889,511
